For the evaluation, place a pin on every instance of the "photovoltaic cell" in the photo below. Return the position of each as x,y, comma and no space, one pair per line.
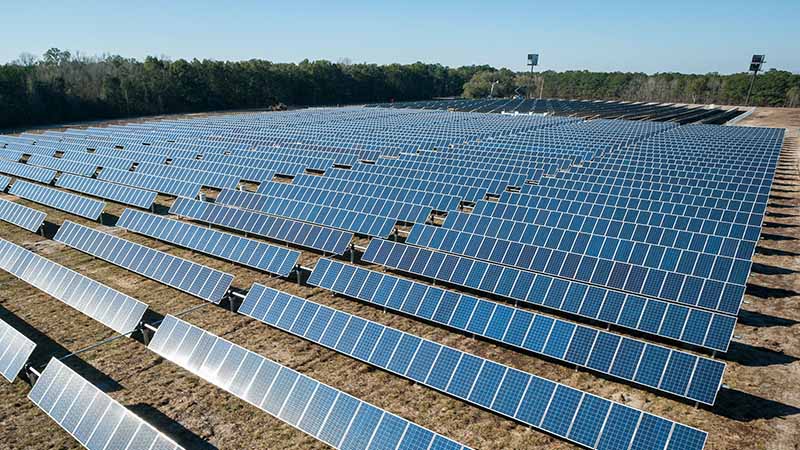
325,413
532,400
20,170
90,416
15,349
248,252
109,307
198,280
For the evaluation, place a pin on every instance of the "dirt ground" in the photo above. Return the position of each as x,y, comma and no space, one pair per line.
759,408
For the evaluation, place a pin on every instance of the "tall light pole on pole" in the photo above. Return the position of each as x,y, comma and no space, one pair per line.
533,60
755,66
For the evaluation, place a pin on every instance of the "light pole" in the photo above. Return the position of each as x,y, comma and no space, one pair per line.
533,60
755,66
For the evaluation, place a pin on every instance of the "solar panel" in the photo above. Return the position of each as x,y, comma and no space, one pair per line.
21,216
690,376
680,276
404,211
210,179
64,201
62,165
20,170
543,404
652,316
15,349
11,155
320,238
110,191
282,192
198,280
161,185
356,222
248,252
323,412
91,416
4,182
106,162
98,301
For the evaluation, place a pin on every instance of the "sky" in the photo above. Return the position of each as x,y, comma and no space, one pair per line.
696,36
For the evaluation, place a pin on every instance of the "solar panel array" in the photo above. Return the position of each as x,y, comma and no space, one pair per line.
20,170
113,309
109,191
566,412
248,252
64,201
21,216
327,414
90,415
15,349
649,227
328,240
4,182
654,366
198,280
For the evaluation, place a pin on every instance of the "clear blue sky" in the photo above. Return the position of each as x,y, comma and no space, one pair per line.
651,36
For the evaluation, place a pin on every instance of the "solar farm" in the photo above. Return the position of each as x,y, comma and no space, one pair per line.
416,276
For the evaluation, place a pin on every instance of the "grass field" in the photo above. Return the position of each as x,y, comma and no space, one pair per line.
760,409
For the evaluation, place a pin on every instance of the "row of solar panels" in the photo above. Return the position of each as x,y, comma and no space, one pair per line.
98,421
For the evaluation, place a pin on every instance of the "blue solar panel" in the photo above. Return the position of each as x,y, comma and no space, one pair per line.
65,201
110,191
15,349
532,400
21,216
271,191
327,240
109,307
20,170
356,222
677,276
89,415
325,413
693,326
106,162
4,182
201,281
575,344
248,252
161,185
62,165
210,179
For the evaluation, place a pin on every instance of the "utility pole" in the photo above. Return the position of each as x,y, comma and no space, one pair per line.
755,66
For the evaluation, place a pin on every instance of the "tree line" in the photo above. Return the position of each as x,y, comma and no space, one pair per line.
771,88
63,87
